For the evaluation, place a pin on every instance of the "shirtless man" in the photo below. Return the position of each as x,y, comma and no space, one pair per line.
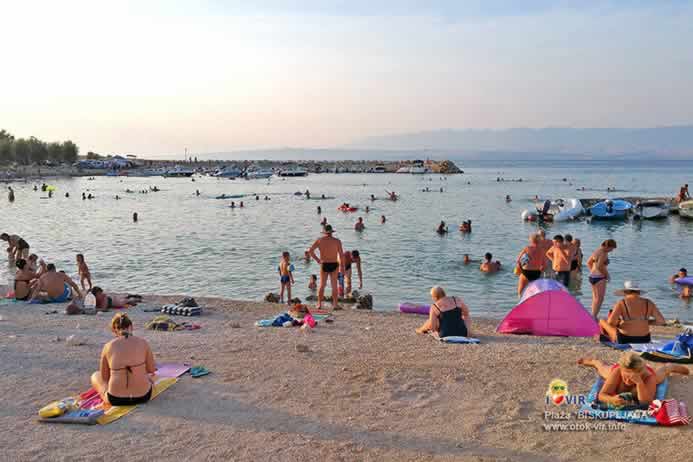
351,257
54,287
331,256
18,248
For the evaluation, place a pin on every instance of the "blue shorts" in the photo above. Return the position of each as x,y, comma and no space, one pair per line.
285,279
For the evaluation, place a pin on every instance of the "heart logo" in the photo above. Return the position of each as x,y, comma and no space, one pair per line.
558,399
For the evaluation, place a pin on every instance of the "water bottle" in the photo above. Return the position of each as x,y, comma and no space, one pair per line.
90,303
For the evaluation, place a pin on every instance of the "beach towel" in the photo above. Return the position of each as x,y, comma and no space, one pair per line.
457,339
164,323
638,416
639,347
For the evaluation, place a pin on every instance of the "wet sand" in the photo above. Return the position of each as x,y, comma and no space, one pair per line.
369,388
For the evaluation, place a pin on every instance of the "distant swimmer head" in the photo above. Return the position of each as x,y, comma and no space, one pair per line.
488,256
558,239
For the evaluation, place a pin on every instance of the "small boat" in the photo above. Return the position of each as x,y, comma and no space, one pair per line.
179,171
653,209
568,210
615,209
259,174
402,170
418,168
293,172
227,172
380,168
686,209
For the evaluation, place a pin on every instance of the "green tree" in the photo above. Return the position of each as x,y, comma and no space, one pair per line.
55,152
5,135
21,151
93,156
6,151
38,152
70,152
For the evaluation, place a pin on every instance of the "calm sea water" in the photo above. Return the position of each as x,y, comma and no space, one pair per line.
199,246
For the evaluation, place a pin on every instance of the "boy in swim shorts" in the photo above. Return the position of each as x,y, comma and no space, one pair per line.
286,277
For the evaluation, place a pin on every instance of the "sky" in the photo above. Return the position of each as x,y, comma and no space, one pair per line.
152,77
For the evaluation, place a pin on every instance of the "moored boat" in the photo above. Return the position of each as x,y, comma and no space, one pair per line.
615,209
651,209
686,209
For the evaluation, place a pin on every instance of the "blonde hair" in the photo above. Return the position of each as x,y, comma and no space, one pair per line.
437,292
632,361
120,323
534,238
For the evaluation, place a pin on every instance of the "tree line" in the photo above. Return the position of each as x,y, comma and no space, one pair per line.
25,151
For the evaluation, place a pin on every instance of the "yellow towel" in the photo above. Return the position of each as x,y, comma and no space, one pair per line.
116,412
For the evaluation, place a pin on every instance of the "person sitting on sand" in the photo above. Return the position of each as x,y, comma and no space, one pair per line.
54,287
685,289
442,228
331,256
104,302
631,381
32,263
630,318
530,262
599,274
22,280
447,317
488,265
359,226
126,372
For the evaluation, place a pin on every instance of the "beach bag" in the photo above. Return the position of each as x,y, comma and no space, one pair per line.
669,412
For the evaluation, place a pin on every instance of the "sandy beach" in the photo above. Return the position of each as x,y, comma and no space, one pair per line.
369,388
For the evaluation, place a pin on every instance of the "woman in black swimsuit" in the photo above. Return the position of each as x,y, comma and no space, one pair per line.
22,281
448,316
629,320
126,374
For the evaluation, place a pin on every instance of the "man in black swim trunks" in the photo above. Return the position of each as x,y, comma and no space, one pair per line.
330,259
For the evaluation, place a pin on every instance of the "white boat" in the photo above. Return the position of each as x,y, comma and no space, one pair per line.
179,171
257,174
418,168
568,209
686,209
298,171
378,169
402,170
148,172
228,172
652,209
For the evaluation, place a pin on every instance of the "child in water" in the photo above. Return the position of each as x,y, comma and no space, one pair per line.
83,269
286,277
313,283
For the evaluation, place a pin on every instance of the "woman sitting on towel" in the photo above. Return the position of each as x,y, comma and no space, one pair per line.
629,320
125,376
631,381
448,316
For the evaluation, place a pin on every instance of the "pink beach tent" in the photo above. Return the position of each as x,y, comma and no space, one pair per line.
547,308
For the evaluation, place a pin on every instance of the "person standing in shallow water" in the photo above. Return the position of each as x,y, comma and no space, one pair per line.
599,274
331,256
135,217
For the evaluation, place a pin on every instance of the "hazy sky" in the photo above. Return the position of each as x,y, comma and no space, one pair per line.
154,77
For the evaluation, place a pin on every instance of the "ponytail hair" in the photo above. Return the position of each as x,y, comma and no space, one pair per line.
609,244
120,324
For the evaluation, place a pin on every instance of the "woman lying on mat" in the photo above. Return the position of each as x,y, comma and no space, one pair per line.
629,320
125,375
448,316
105,302
631,381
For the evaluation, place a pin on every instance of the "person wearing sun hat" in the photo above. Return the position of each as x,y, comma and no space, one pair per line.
630,318
330,259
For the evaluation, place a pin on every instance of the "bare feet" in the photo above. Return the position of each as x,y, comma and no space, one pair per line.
587,362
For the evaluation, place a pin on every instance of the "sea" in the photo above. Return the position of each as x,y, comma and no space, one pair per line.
198,245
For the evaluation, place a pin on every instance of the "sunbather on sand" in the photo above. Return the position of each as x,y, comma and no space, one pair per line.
448,316
126,373
631,381
105,301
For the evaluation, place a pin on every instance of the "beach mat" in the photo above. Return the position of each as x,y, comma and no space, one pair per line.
91,407
457,339
639,347
637,416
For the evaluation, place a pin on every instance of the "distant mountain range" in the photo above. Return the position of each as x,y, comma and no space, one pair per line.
674,142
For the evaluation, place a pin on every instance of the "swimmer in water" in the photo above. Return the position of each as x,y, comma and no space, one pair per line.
368,209
489,266
233,205
319,210
359,226
442,228
382,219
685,288
507,198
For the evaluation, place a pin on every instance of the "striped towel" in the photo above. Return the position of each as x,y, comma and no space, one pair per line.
670,412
